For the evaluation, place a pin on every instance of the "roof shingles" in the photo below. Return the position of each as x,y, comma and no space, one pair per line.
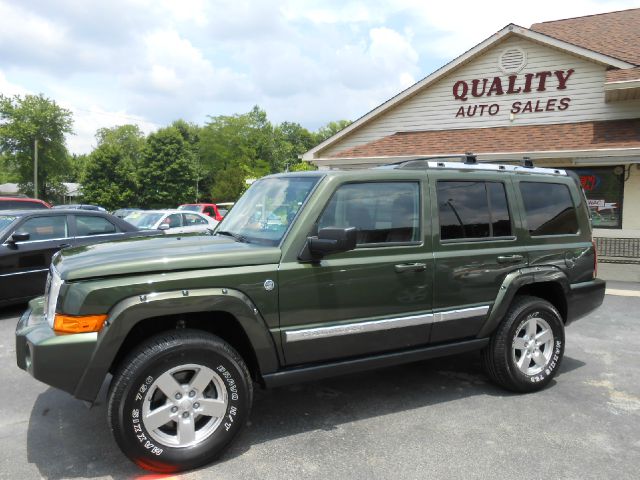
616,34
528,138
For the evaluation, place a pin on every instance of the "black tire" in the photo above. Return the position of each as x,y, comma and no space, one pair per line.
501,358
179,355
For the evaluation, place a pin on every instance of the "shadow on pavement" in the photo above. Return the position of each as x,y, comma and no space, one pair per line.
67,440
10,313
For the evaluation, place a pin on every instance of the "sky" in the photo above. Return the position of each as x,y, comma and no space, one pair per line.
150,62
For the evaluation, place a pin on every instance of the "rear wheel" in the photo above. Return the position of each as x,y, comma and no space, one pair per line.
525,352
179,400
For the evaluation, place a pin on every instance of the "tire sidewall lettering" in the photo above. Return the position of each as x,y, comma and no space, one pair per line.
140,437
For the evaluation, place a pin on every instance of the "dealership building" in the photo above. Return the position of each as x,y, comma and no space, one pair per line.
564,93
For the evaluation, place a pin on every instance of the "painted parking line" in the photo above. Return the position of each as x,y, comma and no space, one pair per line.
622,293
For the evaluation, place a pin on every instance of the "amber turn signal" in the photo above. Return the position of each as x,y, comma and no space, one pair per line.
78,324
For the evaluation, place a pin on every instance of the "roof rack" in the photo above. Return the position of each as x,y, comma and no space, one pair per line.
469,162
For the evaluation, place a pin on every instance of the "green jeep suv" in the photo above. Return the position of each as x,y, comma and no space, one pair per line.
310,275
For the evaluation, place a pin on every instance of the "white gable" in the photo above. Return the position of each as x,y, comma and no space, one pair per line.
580,98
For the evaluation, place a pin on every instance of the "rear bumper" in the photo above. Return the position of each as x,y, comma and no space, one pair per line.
584,298
56,359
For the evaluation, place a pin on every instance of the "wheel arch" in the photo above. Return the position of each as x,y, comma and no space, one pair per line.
548,283
224,312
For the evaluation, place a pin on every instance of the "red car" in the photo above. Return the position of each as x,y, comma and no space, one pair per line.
22,203
210,209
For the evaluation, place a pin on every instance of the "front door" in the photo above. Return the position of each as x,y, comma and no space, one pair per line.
24,265
375,298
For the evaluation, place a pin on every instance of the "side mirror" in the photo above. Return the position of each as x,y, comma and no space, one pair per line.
163,227
19,237
329,241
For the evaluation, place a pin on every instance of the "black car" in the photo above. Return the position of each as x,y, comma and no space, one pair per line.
29,238
81,206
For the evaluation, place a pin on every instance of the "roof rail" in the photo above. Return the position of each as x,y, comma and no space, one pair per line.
469,162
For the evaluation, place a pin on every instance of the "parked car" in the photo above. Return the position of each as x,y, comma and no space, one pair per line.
314,274
123,212
29,238
172,221
82,206
22,203
210,209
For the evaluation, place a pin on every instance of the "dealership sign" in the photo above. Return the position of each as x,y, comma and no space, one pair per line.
490,89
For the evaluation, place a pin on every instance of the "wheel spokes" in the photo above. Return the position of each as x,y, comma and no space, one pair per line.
168,385
538,358
212,407
544,336
532,326
523,363
519,343
158,417
186,430
201,379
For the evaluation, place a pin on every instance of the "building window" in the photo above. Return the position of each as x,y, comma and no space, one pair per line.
549,209
473,210
604,188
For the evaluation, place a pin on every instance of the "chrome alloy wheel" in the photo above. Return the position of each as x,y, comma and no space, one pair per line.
184,405
532,346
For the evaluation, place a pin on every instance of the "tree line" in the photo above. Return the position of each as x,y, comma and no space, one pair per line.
180,163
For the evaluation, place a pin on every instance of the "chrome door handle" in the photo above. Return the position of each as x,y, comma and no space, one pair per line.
510,258
411,267
64,245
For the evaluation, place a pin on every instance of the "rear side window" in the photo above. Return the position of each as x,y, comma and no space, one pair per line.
549,209
471,209
89,225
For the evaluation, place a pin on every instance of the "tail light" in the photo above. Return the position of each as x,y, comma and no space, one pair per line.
595,259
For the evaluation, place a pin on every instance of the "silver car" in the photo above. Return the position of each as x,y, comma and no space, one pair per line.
171,221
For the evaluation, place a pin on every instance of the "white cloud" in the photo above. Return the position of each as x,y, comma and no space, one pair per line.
153,61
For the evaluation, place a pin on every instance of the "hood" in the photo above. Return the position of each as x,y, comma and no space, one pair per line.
160,254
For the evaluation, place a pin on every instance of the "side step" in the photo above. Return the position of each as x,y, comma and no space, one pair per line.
343,367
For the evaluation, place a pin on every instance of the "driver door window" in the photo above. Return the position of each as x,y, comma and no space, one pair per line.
381,212
45,228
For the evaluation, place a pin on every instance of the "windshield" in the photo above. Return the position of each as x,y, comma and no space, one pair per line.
266,210
5,221
191,208
143,219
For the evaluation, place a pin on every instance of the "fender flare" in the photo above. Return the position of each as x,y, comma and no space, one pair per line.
130,311
512,283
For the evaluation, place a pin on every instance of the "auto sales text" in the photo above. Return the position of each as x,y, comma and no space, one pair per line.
514,84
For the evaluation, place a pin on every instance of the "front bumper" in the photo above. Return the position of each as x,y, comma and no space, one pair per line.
584,298
56,359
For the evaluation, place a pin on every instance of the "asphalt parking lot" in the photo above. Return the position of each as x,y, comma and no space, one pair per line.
433,419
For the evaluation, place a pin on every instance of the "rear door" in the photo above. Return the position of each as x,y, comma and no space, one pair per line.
477,242
93,228
193,223
24,265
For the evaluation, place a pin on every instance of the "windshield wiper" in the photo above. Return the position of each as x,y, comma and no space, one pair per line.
235,236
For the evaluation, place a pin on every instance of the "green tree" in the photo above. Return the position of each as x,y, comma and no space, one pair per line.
166,175
22,122
330,129
110,177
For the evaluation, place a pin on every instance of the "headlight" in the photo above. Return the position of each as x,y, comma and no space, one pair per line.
52,289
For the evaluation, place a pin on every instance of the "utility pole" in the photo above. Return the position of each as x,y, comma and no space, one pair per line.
35,168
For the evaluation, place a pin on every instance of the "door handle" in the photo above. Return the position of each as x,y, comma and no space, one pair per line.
64,245
411,267
510,258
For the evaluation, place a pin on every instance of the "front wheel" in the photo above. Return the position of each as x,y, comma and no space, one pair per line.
178,400
525,352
